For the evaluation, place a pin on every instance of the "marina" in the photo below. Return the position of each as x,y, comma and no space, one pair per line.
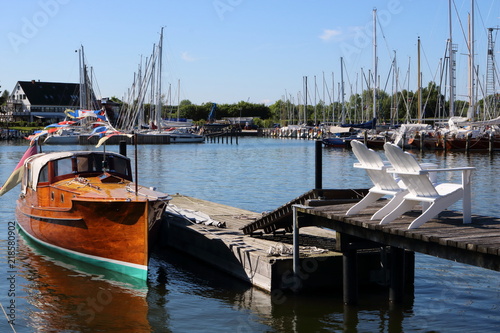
223,176
242,253
333,176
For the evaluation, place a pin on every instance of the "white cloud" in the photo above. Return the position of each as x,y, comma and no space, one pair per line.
329,34
187,57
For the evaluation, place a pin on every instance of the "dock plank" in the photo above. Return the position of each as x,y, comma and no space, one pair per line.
229,249
444,236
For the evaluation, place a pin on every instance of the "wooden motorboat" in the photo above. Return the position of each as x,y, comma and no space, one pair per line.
84,204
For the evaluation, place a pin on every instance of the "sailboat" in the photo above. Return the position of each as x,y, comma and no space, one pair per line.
462,133
372,140
145,120
82,121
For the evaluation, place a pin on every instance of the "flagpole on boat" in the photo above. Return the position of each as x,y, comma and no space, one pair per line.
136,173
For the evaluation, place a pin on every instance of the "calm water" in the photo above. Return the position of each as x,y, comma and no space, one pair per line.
53,294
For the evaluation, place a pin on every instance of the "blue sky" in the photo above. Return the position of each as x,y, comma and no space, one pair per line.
226,51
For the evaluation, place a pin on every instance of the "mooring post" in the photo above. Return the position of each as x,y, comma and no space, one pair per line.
445,144
490,142
319,167
397,275
296,249
123,148
421,141
350,276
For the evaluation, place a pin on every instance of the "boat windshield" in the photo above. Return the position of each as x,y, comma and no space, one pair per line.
91,163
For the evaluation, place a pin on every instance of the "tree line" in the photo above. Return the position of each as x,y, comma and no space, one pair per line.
400,107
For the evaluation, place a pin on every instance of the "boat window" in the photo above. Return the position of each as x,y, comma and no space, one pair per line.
98,161
120,166
63,167
82,163
44,174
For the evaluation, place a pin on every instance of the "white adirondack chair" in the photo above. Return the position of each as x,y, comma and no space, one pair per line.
422,190
384,183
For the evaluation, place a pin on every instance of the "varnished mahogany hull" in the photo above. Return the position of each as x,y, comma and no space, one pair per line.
113,234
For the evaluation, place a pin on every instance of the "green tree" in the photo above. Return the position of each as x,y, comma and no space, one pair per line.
4,97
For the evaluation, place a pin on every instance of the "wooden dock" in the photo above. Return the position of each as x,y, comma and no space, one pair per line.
334,250
248,257
477,243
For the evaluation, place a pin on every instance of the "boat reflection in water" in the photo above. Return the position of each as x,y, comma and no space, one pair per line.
67,295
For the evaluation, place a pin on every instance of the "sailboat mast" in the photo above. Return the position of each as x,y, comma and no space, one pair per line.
375,63
305,99
419,80
158,96
178,99
342,89
83,90
472,97
451,65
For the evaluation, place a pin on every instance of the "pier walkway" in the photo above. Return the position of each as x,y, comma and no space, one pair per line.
477,243
326,248
265,260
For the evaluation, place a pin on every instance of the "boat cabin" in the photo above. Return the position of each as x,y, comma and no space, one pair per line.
47,168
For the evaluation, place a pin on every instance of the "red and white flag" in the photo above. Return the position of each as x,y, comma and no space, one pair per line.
17,175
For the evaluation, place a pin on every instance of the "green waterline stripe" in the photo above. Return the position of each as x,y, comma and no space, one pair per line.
135,270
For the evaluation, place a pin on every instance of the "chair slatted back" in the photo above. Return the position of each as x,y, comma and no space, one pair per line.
374,166
417,184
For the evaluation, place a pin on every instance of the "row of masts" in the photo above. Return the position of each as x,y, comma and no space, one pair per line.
146,89
341,117
87,97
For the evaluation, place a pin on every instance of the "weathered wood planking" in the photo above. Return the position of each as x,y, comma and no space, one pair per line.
477,243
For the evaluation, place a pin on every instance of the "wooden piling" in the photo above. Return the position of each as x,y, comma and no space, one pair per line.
397,275
350,276
318,165
123,148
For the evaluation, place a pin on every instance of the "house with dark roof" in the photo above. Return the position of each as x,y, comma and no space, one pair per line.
46,101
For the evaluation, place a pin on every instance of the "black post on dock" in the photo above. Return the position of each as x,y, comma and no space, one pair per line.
123,148
397,275
350,276
319,167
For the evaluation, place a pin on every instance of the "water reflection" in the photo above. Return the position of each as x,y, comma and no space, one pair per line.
184,295
64,295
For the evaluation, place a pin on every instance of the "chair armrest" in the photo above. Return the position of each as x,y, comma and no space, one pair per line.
361,166
425,171
448,169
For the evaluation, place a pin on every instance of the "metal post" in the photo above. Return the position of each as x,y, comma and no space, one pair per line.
136,165
296,250
319,165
